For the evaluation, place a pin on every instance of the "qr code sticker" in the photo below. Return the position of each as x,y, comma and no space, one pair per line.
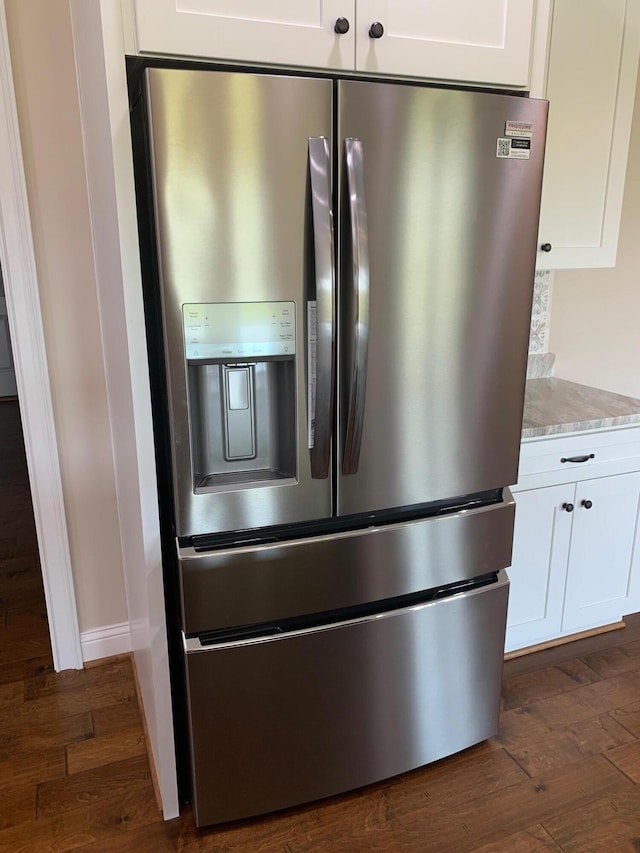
504,148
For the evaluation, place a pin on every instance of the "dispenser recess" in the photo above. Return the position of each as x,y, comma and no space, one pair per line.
240,361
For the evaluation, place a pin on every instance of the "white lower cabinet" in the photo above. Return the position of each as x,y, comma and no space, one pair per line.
603,574
576,551
539,565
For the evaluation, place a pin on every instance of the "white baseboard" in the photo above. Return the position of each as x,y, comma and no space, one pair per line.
105,642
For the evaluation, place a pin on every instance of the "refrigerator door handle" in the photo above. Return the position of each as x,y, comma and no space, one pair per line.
359,310
321,321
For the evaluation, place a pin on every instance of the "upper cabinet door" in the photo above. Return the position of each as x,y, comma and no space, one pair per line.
286,32
462,40
591,82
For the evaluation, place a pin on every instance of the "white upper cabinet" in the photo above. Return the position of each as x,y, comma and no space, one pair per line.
591,79
461,40
286,32
488,42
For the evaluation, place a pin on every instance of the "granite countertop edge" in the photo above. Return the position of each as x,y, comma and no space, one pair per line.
557,406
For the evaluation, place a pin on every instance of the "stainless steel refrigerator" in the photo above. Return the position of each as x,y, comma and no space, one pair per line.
345,273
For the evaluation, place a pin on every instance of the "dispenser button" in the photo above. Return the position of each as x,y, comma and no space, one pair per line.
238,388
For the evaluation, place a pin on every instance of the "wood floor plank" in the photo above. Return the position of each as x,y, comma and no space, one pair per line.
627,759
607,825
568,744
35,711
21,649
8,545
113,817
353,817
521,724
586,701
482,820
116,718
91,786
57,732
33,767
629,717
17,804
50,684
450,783
11,693
535,839
99,751
533,686
32,619
17,567
159,837
616,660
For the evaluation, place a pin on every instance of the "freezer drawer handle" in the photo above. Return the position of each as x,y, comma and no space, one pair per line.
321,396
359,308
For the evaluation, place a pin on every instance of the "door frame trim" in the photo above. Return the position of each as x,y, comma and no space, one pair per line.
32,377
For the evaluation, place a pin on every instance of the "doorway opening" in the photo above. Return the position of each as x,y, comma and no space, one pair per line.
25,646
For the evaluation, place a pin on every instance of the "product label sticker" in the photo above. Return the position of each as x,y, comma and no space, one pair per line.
513,149
523,129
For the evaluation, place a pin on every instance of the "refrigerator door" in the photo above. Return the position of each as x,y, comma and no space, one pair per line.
439,202
319,711
242,193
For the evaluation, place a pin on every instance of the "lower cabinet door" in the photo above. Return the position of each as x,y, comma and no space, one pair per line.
603,580
538,570
285,719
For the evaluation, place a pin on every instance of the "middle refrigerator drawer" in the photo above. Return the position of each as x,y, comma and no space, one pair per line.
270,582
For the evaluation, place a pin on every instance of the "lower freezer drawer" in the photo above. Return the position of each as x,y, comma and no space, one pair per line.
295,717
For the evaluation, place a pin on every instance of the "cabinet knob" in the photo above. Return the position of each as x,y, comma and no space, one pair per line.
376,30
567,507
341,26
587,504
546,247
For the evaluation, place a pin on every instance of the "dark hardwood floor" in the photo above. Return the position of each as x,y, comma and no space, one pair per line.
563,774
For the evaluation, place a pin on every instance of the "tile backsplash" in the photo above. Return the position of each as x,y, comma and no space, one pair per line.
539,331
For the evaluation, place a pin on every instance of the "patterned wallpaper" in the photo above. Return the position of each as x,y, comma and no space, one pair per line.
539,333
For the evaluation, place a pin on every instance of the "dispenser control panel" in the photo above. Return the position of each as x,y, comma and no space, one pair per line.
238,329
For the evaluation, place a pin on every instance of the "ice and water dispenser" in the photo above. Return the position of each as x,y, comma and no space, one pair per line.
242,393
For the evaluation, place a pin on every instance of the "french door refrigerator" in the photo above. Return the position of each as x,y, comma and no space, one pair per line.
344,278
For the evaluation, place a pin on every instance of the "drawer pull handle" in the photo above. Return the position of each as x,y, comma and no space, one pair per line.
567,507
587,504
578,458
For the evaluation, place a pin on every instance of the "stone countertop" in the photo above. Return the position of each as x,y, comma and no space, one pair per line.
554,406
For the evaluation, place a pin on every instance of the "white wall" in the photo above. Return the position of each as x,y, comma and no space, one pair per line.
47,100
595,314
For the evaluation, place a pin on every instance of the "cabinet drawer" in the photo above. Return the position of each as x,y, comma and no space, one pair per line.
587,455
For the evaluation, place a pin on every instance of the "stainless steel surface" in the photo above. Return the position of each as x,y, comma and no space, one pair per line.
322,214
244,586
327,710
221,437
231,212
239,412
452,245
356,302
